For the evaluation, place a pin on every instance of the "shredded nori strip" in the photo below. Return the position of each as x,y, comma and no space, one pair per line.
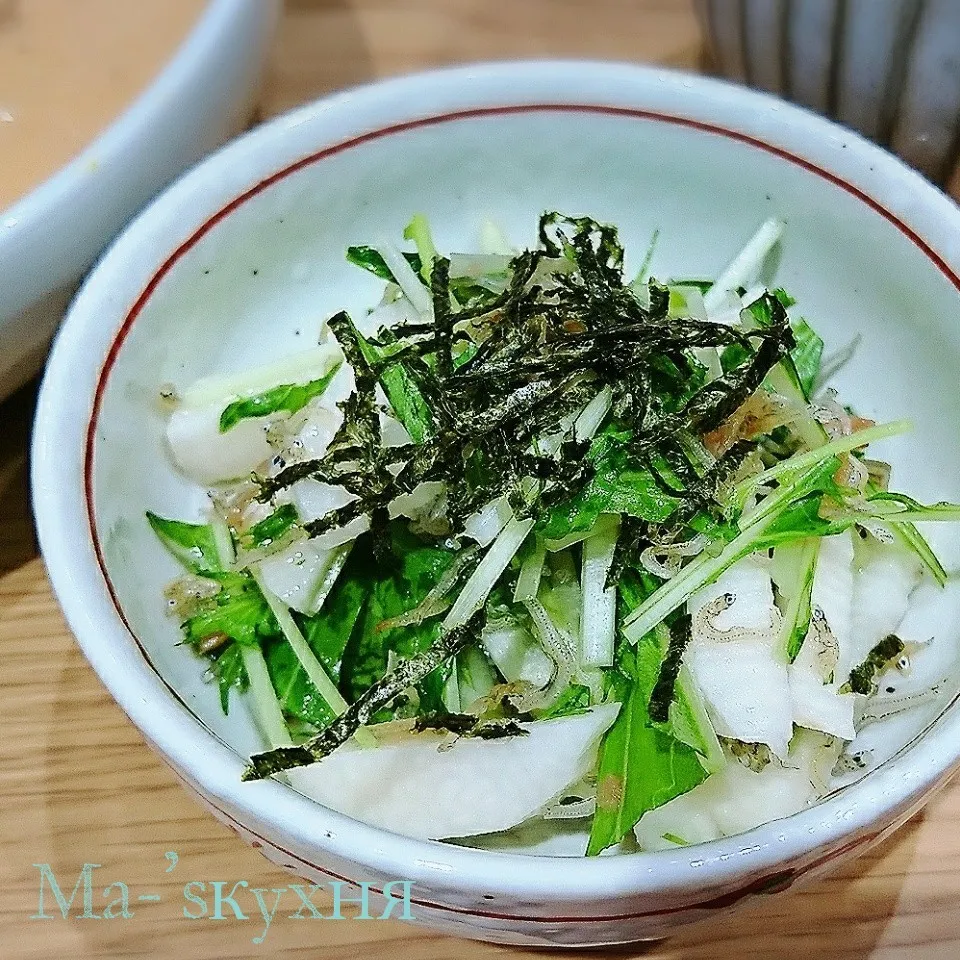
381,694
863,678
459,723
468,725
662,693
533,355
754,756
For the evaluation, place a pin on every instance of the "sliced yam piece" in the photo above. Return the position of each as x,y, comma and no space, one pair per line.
886,576
515,653
424,500
208,456
731,801
431,786
832,588
318,429
484,525
814,677
297,573
745,689
933,614
752,609
736,799
314,498
734,658
818,706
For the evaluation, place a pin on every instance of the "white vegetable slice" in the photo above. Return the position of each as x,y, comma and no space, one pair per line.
314,498
484,525
731,801
818,706
479,265
318,429
736,799
481,582
816,703
430,786
531,572
833,585
598,616
208,456
419,503
745,268
263,699
726,309
405,276
592,415
493,240
734,657
515,653
297,573
933,614
885,578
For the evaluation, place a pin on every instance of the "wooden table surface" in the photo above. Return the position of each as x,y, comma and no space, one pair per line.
77,783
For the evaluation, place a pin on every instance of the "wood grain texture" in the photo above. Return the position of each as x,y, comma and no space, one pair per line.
77,783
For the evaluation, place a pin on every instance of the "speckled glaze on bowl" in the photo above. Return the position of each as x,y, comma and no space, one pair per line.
244,256
888,68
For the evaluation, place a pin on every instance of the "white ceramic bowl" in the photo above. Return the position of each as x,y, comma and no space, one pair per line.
246,252
52,236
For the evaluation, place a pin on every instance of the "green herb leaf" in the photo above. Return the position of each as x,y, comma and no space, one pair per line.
418,230
641,767
373,700
619,485
273,527
193,544
575,699
239,611
286,398
387,363
806,355
368,259
229,672
395,585
799,559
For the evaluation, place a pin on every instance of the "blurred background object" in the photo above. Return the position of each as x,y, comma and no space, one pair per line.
888,68
324,45
103,103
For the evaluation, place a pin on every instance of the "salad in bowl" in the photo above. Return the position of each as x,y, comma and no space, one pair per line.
536,544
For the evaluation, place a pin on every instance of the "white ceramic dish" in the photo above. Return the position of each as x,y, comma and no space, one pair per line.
244,256
52,236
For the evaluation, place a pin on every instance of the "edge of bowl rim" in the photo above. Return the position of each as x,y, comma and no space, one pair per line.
897,786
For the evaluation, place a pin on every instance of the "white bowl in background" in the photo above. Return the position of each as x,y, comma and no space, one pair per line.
244,256
888,68
52,236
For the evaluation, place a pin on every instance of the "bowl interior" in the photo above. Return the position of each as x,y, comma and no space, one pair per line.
258,283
